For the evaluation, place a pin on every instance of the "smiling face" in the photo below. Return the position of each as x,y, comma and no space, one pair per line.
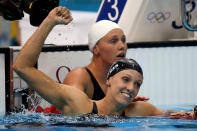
124,86
112,46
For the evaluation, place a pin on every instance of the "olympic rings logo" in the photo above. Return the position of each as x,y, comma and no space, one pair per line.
158,17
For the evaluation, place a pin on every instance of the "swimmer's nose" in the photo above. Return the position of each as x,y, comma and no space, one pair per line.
121,45
131,87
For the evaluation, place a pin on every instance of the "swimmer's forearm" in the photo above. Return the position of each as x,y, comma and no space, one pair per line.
30,52
175,113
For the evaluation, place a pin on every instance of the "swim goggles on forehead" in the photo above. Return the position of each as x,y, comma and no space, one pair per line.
123,65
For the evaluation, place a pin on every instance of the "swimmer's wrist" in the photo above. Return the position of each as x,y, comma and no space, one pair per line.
49,22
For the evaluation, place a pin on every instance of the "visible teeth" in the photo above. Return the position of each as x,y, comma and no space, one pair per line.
125,94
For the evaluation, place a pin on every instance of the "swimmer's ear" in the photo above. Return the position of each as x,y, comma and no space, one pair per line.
108,83
96,50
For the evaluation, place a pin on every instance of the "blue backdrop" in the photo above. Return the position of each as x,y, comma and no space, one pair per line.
82,5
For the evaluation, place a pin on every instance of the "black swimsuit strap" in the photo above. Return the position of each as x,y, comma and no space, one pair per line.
123,114
93,78
98,92
94,109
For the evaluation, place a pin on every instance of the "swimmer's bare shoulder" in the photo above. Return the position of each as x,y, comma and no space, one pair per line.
141,108
79,78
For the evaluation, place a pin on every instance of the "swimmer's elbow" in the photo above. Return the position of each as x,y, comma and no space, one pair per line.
18,68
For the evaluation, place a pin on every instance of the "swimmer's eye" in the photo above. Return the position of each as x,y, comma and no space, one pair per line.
114,40
126,79
123,39
137,84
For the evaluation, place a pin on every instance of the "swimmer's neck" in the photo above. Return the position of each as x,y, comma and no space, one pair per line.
114,108
99,68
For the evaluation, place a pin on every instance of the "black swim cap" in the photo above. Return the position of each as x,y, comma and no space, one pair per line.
123,65
195,108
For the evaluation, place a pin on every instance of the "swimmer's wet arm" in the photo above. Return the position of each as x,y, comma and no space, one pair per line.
67,99
56,94
44,86
28,56
174,112
25,61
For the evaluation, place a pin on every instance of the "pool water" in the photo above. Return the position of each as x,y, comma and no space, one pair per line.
90,122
